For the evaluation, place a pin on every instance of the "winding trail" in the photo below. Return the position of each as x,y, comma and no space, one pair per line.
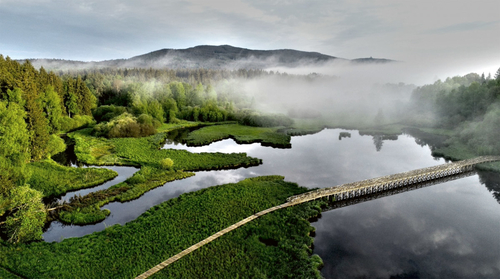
344,192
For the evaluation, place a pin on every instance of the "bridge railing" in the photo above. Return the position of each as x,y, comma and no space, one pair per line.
354,189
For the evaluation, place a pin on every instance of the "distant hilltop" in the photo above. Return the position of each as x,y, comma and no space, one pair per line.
209,57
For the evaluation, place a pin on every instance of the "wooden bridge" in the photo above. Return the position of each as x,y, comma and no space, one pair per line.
373,196
352,193
389,182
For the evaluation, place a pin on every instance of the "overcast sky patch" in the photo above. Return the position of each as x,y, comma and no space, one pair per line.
426,31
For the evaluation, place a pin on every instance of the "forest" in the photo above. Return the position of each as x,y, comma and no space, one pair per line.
468,106
38,107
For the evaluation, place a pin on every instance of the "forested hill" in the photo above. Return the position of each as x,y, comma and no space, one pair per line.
209,57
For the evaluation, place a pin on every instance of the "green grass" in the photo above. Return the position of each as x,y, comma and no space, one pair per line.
164,230
5,274
307,126
141,152
241,134
456,151
443,132
145,151
87,209
53,179
389,129
167,127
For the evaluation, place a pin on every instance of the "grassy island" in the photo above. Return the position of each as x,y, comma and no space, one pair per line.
241,134
53,179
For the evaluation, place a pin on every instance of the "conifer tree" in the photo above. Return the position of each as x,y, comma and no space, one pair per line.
86,100
36,120
58,85
70,98
51,105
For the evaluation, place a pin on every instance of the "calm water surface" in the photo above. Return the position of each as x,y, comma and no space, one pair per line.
450,230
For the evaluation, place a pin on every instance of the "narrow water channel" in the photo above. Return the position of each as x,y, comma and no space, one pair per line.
448,230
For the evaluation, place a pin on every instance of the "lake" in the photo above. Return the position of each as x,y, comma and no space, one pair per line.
447,230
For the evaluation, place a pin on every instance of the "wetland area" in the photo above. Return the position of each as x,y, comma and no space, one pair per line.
447,230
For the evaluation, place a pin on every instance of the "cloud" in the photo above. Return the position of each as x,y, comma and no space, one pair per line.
401,30
466,26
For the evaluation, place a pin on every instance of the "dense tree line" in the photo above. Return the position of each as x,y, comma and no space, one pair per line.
34,107
98,77
151,97
470,105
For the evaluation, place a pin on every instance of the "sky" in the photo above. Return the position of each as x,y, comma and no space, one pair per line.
446,37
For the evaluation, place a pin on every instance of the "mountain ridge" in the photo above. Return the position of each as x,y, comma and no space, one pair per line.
210,57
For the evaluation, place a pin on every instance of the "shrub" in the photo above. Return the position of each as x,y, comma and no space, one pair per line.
126,125
258,120
145,119
106,113
78,121
166,163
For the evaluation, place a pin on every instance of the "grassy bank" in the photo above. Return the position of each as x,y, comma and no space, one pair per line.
276,246
308,126
53,179
456,151
241,134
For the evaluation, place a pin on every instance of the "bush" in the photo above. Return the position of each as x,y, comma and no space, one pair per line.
78,121
126,125
258,120
145,119
106,113
166,163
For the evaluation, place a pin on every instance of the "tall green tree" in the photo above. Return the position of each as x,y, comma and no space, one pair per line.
170,110
51,104
36,120
14,143
194,96
86,100
179,94
155,109
70,98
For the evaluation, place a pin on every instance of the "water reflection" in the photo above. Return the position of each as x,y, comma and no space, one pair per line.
492,182
67,157
449,231
422,138
321,160
123,174
378,140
